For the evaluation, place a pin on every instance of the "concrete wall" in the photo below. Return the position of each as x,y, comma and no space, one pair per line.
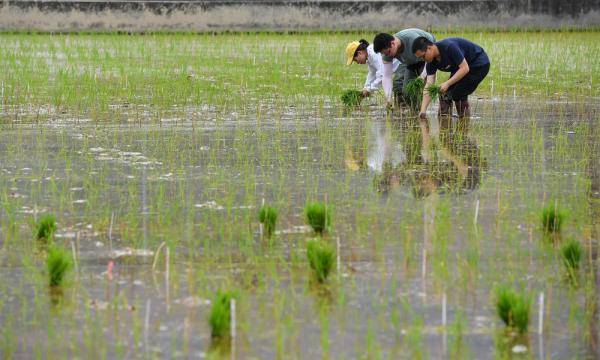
203,15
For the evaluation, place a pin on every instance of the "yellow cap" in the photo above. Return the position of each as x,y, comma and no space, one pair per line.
350,50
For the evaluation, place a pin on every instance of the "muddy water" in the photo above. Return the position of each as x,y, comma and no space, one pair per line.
429,217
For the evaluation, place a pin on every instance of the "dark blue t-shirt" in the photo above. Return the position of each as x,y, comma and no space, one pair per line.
452,53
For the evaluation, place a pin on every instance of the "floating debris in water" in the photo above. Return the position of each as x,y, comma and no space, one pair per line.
212,205
98,304
130,252
300,229
192,301
519,349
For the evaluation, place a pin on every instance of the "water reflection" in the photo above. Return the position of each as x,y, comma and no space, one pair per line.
426,158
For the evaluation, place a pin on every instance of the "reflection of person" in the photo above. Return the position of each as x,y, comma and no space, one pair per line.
431,166
362,53
399,46
467,63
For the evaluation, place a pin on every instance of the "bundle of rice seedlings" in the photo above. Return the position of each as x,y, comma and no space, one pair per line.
57,263
268,217
352,97
414,91
434,91
552,219
220,315
318,216
46,227
513,308
321,258
571,254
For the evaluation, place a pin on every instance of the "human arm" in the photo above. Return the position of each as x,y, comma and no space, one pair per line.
387,80
426,98
463,69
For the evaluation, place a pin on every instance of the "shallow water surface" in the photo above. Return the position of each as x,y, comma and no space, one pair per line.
428,218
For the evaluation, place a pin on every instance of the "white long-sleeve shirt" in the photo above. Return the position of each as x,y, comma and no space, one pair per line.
375,75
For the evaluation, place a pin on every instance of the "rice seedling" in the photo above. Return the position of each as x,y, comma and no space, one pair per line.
57,264
414,91
321,258
220,314
46,227
552,219
434,91
318,216
351,98
513,308
571,254
268,218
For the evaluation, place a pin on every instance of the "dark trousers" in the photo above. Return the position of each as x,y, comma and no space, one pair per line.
404,74
467,85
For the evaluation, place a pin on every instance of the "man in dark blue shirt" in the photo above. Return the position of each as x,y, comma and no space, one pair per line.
467,63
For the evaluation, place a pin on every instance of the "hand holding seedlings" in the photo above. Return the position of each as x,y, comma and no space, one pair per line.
444,87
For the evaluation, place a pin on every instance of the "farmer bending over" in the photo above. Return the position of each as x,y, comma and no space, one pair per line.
399,46
362,53
467,63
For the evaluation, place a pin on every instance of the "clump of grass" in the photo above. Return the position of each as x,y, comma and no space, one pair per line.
414,90
434,91
318,216
46,227
552,219
268,217
351,97
571,254
57,263
513,308
220,314
321,258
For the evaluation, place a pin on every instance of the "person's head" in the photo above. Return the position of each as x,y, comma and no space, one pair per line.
386,44
424,49
357,51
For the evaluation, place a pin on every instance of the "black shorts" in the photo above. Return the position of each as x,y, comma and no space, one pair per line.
467,85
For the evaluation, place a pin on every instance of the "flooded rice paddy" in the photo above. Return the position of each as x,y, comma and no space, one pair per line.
156,187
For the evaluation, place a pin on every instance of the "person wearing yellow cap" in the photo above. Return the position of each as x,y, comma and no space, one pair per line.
362,53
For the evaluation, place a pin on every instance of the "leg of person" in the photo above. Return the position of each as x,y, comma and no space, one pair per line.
398,84
445,110
411,73
460,91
